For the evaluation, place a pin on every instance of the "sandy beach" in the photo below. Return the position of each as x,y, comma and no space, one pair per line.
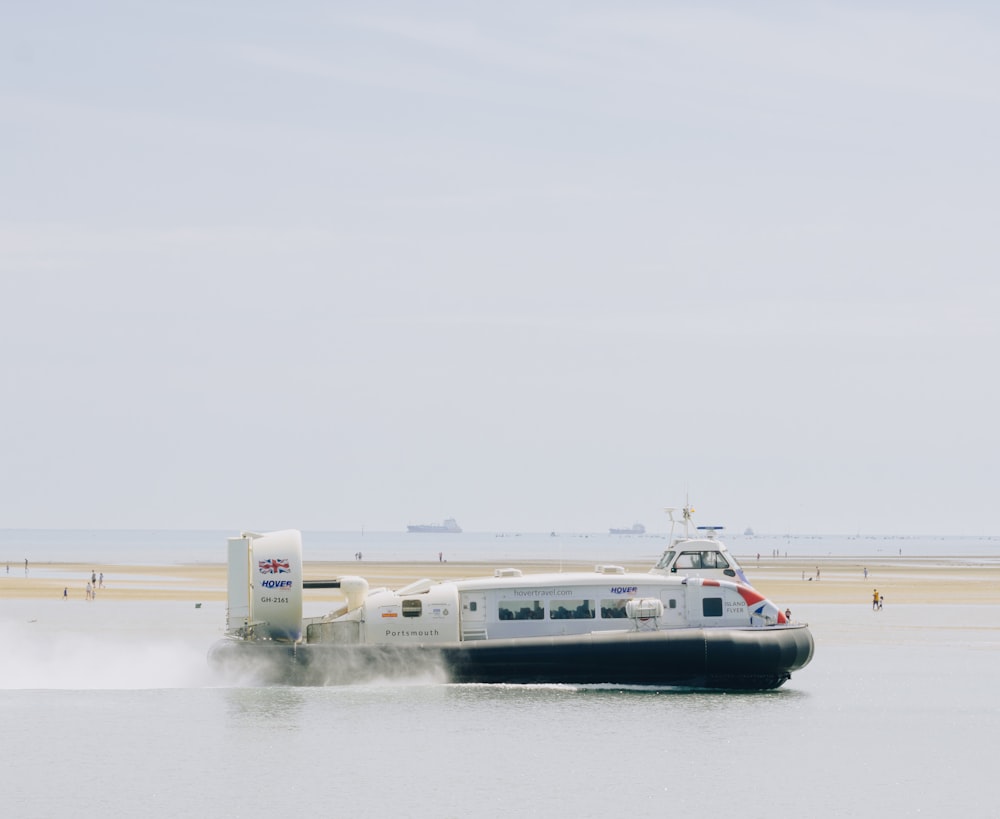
943,580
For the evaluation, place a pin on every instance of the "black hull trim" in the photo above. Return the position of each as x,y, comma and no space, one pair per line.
733,659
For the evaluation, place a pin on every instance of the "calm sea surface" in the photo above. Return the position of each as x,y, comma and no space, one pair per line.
183,546
108,709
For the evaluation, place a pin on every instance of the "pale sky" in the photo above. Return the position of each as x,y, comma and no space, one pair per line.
535,266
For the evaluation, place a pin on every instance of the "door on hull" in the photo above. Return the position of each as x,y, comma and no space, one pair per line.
673,609
474,615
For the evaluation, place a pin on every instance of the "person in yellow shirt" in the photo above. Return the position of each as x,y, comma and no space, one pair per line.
874,599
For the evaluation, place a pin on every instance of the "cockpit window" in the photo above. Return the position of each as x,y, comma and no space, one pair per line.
702,560
665,560
689,560
713,560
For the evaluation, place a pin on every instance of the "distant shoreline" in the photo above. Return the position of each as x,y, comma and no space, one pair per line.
787,581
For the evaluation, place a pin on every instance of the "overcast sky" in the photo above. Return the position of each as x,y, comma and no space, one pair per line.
537,266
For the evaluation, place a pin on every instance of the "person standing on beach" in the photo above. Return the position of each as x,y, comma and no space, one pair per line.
88,589
26,567
102,580
875,599
65,593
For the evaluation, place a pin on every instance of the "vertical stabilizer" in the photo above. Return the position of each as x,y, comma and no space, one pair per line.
265,584
238,584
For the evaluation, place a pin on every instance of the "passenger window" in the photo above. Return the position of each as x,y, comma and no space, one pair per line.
521,610
614,609
572,610
711,607
412,608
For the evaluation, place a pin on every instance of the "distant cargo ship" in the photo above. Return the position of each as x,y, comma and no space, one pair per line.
449,526
637,529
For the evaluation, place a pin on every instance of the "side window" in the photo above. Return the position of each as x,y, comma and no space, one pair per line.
521,610
711,607
613,609
572,610
412,608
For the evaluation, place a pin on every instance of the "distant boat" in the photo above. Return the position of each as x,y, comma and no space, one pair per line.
448,527
637,529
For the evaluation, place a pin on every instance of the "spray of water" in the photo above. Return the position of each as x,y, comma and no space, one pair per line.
76,646
104,645
274,664
72,660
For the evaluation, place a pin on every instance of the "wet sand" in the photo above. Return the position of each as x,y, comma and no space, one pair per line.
786,581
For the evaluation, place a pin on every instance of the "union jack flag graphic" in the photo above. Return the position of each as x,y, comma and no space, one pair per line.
273,566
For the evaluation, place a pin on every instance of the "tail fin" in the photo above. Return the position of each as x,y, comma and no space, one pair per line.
265,585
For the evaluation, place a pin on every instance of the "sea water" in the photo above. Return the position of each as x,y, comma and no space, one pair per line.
208,546
109,709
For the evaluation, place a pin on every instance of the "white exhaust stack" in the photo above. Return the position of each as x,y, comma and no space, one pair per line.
355,589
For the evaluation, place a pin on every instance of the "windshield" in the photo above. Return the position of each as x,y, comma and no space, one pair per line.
702,560
665,560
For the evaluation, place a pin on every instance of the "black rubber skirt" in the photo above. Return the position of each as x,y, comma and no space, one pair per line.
733,659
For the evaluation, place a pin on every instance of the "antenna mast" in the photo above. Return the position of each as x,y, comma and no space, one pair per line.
686,514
